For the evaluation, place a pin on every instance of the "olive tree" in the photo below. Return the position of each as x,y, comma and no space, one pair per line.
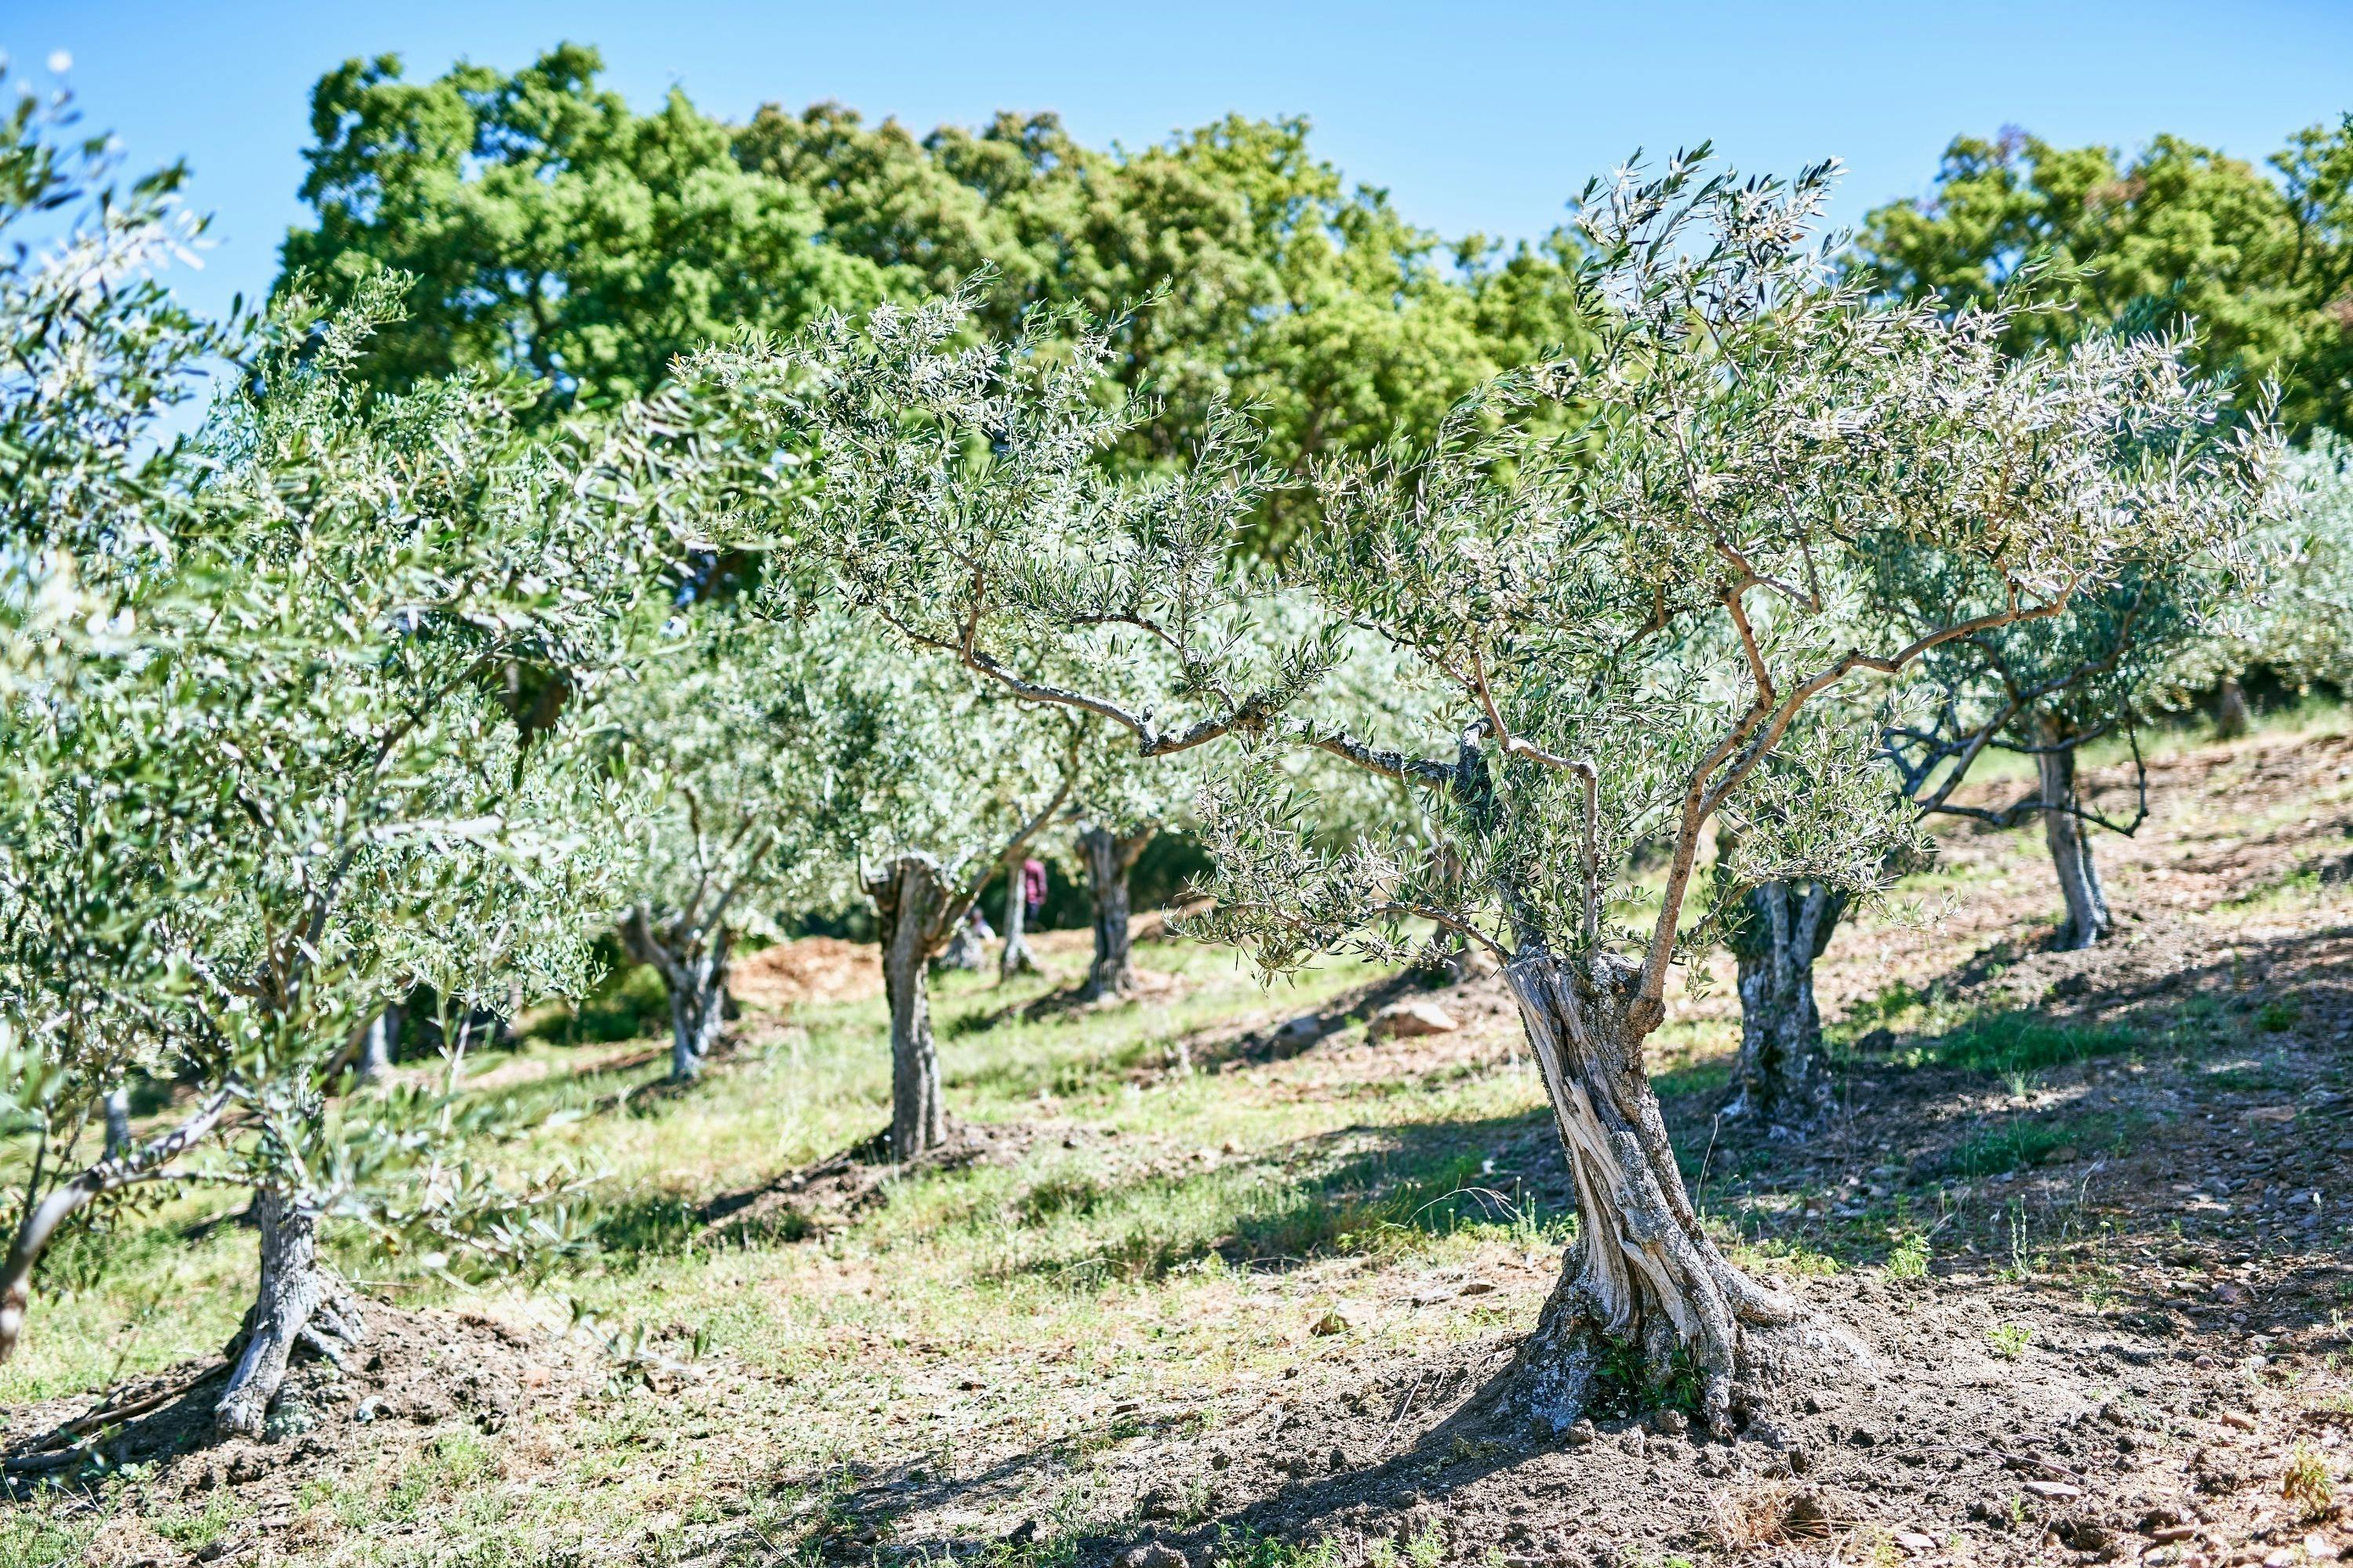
2041,688
1620,579
2046,691
2298,624
320,644
753,739
971,780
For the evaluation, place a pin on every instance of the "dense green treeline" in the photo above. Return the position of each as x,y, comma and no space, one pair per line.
557,235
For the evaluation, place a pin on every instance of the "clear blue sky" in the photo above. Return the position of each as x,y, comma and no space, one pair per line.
1476,117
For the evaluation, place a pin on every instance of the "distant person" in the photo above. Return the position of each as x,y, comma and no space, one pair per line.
1033,887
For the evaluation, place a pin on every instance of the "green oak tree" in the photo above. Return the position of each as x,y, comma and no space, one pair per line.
551,232
2261,262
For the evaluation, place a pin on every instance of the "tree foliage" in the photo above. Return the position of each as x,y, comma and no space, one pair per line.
2262,262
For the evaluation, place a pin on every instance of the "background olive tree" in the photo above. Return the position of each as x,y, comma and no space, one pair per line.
751,740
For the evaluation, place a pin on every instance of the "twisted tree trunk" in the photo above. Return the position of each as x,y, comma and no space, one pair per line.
1110,857
117,1121
911,905
1016,958
2232,714
693,965
377,1045
1778,931
2088,920
300,1302
1643,1274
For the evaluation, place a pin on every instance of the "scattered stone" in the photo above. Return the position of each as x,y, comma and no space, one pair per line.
1477,1287
2238,1419
2052,1491
1342,1317
1404,1019
1153,1554
1669,1423
1306,1026
1580,1434
1914,1542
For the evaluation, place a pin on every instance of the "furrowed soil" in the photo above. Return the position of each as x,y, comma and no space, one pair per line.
1217,1277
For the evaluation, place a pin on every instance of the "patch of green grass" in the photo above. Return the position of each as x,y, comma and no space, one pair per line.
1909,1258
2004,1043
2024,1142
2279,1014
2010,1341
195,1531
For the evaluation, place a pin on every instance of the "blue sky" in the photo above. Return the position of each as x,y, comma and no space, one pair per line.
1476,117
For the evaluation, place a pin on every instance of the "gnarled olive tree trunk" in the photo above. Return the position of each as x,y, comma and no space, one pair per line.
1109,856
693,967
1016,957
1644,1273
117,1121
912,903
2064,828
377,1045
1777,931
300,1302
2232,714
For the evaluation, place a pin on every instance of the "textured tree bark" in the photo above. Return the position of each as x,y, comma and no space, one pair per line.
1110,857
1780,930
698,1007
2088,920
694,982
299,1301
1016,958
911,901
2231,715
375,1044
117,1121
1644,1273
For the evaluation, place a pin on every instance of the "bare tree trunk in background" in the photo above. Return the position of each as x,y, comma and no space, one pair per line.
695,980
911,899
1780,929
698,1007
377,1045
1016,958
117,1121
1110,857
300,1302
2088,920
1644,1273
2231,715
